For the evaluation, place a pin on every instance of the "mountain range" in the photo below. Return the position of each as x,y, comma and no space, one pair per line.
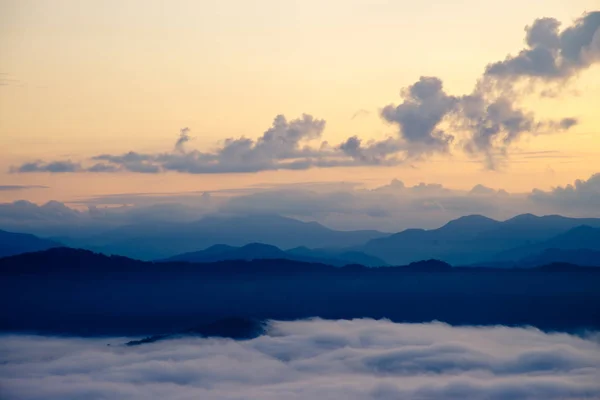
470,240
477,239
161,240
255,251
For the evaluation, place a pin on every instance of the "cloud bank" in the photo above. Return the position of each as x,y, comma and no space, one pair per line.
392,207
484,123
310,359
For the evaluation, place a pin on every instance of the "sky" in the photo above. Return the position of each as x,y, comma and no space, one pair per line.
112,97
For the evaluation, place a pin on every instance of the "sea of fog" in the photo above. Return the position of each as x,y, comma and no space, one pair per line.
309,359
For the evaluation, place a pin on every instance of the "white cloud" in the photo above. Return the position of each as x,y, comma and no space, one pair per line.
310,359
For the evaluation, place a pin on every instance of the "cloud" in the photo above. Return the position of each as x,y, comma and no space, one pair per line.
280,147
20,187
346,206
425,105
102,167
310,359
482,190
391,207
583,196
360,113
567,123
382,152
490,118
184,137
58,219
485,122
494,125
131,161
551,54
284,146
54,167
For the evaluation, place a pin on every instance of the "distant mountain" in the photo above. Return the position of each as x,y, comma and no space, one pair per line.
16,243
346,256
257,251
471,239
583,239
581,257
71,291
161,240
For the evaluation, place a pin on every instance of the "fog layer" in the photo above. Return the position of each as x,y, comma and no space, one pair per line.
310,359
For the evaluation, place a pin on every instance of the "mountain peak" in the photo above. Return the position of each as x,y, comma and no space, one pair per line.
430,265
581,230
471,221
524,217
259,246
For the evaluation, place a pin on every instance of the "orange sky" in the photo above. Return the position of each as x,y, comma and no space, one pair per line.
83,78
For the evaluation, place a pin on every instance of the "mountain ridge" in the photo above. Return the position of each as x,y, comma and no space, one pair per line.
252,251
12,243
471,239
164,240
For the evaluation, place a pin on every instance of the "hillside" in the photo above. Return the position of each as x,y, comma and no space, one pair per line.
16,243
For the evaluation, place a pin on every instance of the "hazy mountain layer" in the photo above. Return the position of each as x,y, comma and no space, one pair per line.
474,238
16,243
162,240
256,251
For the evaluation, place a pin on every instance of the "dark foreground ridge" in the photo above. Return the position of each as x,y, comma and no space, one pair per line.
71,291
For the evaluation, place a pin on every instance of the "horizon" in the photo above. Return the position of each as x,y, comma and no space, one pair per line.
391,207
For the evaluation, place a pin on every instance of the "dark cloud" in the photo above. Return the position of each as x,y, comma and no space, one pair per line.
567,123
280,147
425,105
310,359
54,167
490,116
284,146
382,152
495,125
131,161
103,167
551,54
184,137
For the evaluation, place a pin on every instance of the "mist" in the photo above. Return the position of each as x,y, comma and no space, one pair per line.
310,359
